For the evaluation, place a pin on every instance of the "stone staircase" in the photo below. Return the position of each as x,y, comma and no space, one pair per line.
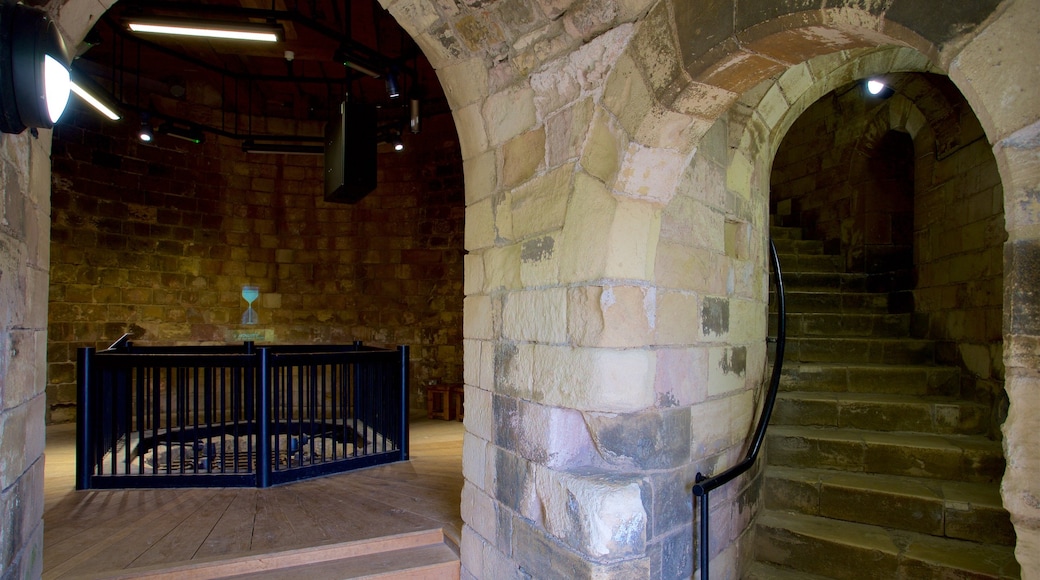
875,468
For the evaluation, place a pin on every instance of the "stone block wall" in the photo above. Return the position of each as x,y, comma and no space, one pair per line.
926,216
158,240
24,222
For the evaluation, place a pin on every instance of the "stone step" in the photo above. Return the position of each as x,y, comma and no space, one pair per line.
823,281
834,302
811,263
761,571
784,232
791,246
869,378
968,458
858,351
881,412
963,511
807,324
853,551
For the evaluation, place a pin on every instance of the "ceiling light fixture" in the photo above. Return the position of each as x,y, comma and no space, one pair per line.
282,148
191,134
875,86
85,89
262,32
393,88
145,133
34,69
413,115
350,59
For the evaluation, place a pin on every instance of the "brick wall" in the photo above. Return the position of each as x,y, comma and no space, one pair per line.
158,240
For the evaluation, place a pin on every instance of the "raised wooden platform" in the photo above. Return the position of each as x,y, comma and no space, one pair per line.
127,533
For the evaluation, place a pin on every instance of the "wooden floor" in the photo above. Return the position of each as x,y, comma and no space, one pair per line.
87,533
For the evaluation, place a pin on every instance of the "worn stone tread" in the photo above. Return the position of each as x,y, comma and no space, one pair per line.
847,550
933,414
967,511
954,457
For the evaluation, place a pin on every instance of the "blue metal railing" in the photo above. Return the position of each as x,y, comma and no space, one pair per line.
705,484
228,416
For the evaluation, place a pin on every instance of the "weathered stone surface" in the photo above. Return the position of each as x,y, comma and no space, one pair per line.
536,316
481,176
550,436
656,439
594,379
508,113
677,318
600,516
537,207
651,173
610,316
566,132
682,377
604,148
1022,291
522,156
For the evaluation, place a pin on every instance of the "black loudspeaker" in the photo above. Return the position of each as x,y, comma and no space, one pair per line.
350,153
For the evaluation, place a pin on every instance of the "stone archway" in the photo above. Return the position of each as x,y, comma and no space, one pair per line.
576,346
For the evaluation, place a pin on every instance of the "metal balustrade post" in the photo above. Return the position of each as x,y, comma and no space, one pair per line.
84,419
263,439
403,402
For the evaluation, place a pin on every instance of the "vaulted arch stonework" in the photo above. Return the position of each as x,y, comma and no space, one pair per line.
617,157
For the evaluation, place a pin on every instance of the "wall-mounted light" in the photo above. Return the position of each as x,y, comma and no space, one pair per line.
282,148
34,69
398,144
261,32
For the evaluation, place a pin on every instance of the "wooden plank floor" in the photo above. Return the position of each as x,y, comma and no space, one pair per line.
90,532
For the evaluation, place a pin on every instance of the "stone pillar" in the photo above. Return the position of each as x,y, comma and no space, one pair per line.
24,261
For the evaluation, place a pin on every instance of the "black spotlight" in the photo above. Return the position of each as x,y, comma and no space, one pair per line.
34,69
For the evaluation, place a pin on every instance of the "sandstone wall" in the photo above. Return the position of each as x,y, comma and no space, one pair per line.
24,225
158,240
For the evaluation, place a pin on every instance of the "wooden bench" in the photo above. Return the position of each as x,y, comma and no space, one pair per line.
444,401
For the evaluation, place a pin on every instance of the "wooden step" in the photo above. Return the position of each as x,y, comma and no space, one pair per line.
869,378
967,458
881,412
964,511
859,350
852,551
403,556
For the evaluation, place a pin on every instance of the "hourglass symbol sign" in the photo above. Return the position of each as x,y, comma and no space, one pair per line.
250,293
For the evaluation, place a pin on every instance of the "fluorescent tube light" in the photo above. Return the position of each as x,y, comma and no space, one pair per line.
207,29
94,102
283,148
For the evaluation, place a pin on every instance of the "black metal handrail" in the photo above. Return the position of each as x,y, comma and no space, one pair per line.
705,484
